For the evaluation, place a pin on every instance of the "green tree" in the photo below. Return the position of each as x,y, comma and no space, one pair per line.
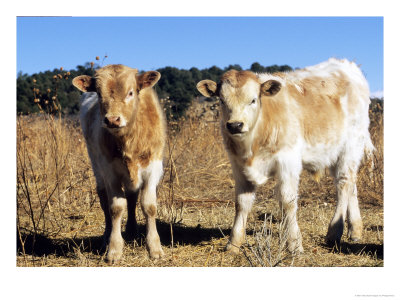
178,85
257,68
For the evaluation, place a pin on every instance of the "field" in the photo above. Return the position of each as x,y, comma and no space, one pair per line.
60,222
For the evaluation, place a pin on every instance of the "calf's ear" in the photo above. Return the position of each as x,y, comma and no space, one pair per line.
271,88
148,79
207,88
84,83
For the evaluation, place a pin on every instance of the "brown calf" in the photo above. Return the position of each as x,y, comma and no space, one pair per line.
124,128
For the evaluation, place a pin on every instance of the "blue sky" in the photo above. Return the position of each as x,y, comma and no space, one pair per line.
45,43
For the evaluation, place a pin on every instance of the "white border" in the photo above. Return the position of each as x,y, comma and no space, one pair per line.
307,283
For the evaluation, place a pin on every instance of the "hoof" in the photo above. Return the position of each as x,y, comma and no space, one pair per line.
355,231
113,256
355,239
232,249
155,254
153,245
115,248
296,249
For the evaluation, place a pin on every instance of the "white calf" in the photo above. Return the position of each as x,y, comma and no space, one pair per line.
278,124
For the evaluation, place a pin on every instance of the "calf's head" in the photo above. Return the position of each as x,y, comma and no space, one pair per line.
117,87
240,94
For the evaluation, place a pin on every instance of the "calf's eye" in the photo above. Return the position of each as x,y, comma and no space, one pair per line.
130,94
254,101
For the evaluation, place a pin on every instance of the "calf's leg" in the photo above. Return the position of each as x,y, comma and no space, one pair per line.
102,192
354,220
131,229
287,196
116,203
244,198
149,208
286,190
347,203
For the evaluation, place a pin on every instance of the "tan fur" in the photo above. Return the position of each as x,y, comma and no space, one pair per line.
125,131
279,74
237,78
151,211
320,111
116,212
144,140
272,132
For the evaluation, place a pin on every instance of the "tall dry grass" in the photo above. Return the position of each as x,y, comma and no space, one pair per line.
54,179
58,214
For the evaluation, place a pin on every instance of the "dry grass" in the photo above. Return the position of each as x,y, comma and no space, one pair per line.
60,222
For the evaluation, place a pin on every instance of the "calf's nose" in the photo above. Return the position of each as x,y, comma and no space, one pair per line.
234,127
112,122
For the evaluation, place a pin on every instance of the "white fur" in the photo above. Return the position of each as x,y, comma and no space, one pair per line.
342,155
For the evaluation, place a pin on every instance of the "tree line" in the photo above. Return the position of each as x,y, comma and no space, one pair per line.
53,90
